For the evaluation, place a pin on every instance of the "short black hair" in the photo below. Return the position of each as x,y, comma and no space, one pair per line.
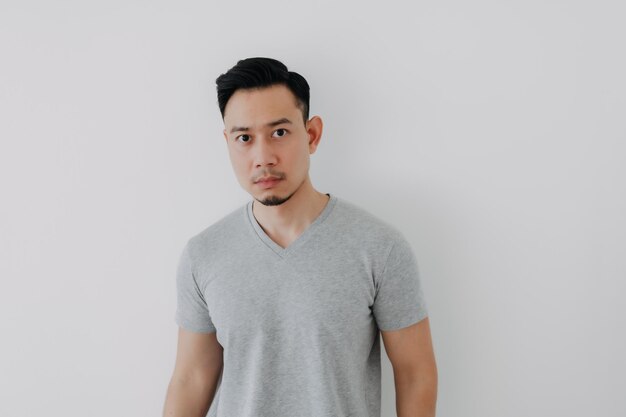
258,72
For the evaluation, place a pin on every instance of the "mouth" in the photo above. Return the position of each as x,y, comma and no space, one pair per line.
268,183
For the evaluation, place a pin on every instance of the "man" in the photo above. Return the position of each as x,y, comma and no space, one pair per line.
281,302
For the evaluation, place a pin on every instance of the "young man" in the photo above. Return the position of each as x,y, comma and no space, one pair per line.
282,301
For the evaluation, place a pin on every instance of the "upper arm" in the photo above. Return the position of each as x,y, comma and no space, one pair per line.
199,356
410,349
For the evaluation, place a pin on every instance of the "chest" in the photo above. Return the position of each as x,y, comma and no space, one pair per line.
329,295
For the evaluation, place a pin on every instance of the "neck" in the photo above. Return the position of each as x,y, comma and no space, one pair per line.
287,221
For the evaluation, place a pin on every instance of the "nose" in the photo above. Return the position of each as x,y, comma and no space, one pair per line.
264,153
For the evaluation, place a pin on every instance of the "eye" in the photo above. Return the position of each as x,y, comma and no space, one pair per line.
243,136
280,132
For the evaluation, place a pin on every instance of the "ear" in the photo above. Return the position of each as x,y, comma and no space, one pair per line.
314,127
225,136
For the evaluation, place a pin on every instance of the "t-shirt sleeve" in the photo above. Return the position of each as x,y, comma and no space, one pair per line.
399,300
192,312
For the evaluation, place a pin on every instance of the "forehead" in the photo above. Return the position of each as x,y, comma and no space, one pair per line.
257,106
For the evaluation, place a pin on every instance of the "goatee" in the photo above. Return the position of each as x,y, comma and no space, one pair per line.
274,200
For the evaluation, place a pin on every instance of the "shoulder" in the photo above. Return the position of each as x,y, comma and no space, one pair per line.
219,235
361,226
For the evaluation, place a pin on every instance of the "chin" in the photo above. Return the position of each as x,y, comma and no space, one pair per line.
271,199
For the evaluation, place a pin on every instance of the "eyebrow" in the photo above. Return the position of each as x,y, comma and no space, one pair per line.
270,124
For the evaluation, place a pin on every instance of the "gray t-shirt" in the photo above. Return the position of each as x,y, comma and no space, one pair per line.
299,325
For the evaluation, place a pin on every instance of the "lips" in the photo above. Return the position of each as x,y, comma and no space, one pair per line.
265,179
268,182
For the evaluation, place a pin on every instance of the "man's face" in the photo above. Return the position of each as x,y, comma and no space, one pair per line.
267,137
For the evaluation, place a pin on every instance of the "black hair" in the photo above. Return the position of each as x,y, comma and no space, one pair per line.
251,73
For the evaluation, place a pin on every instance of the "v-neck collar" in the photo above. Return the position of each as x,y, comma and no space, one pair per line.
304,236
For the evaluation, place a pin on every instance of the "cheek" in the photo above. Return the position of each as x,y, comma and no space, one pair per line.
301,150
304,151
302,161
238,162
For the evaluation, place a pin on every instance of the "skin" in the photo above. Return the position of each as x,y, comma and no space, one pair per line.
266,135
410,351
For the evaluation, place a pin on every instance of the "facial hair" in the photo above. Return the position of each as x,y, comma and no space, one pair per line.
274,200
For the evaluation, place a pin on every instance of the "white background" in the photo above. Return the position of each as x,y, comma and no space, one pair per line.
491,132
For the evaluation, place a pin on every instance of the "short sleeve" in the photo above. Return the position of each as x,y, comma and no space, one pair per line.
192,312
399,300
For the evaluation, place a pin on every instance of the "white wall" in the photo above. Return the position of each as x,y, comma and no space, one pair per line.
492,132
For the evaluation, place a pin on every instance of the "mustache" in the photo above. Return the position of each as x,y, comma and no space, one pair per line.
269,173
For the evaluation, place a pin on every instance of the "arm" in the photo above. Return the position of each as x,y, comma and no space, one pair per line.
410,352
199,362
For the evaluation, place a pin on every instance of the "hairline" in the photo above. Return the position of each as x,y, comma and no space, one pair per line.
299,103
